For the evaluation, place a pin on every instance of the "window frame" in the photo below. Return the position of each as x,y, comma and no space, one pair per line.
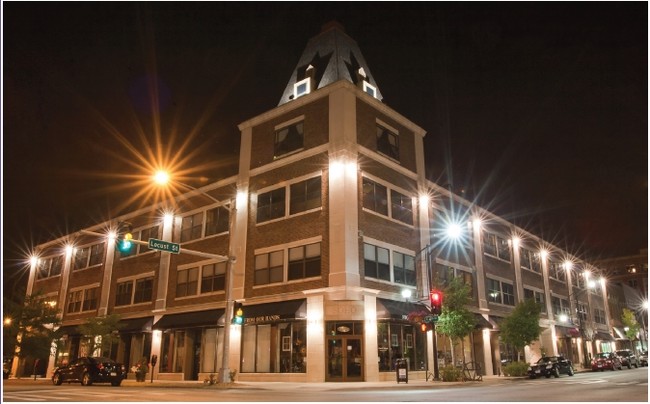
287,189
131,284
295,122
372,201
283,269
506,298
387,148
391,251
79,303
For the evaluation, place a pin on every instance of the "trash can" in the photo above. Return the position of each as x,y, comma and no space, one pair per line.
402,371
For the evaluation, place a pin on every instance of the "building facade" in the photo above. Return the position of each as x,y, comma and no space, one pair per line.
329,219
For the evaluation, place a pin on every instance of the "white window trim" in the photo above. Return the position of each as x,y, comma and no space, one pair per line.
88,266
306,81
501,282
367,86
391,248
285,260
287,197
390,187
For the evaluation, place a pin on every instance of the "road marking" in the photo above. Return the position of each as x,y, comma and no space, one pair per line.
23,397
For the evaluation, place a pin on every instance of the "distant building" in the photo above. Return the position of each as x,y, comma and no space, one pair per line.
334,220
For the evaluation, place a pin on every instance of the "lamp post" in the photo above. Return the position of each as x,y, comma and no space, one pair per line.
163,178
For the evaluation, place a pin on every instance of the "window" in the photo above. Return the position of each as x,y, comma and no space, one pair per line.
145,235
271,205
192,227
187,282
376,262
74,301
404,269
217,221
305,195
556,271
303,87
538,297
396,340
274,348
599,316
126,293
387,143
269,268
96,254
288,139
81,258
304,261
530,260
143,290
500,292
582,311
375,197
302,196
445,274
213,277
401,207
49,267
123,293
496,246
90,299
369,88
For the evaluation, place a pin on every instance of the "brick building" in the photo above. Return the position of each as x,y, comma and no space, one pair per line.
334,219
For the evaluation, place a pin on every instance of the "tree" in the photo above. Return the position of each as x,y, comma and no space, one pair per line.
632,327
455,321
521,327
32,327
101,333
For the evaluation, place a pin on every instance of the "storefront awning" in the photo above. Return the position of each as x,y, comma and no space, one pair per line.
190,319
620,333
135,324
603,336
481,322
391,309
68,330
564,332
270,312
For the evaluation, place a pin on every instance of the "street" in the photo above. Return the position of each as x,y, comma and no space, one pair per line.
626,385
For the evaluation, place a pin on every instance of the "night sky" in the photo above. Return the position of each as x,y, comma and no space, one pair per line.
536,111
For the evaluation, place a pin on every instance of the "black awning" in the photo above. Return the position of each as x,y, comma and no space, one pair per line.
566,332
603,336
270,312
190,319
391,309
135,324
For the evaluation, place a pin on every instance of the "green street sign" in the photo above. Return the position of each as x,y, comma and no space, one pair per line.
161,245
430,318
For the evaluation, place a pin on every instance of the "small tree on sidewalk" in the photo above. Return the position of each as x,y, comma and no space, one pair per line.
101,333
521,327
632,327
456,322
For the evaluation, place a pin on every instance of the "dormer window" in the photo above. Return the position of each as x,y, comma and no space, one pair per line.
370,89
303,87
387,142
288,137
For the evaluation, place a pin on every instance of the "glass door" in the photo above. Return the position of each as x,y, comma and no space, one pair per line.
344,359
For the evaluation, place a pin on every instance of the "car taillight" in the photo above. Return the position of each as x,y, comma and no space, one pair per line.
100,366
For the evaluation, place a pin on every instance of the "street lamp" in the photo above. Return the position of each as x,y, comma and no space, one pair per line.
163,178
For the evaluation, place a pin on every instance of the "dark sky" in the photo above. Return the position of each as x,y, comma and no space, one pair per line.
538,111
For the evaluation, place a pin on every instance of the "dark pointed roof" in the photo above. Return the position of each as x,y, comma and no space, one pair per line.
334,56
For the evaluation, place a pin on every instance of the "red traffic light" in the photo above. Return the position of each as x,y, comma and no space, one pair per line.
435,296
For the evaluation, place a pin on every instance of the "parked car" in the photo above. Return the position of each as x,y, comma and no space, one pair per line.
548,366
606,360
628,358
643,358
88,370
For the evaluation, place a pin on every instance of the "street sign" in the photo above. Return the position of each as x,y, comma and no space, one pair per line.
161,245
430,319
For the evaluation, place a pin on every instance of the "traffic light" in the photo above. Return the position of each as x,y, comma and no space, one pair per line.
424,327
436,301
124,237
238,314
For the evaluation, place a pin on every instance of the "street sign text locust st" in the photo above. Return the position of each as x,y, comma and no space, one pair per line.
161,245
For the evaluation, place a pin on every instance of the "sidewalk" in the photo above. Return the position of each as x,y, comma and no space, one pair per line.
315,386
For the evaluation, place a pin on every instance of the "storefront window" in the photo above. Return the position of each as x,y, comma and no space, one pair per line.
274,348
398,341
173,351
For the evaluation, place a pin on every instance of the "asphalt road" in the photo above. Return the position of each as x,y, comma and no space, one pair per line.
629,385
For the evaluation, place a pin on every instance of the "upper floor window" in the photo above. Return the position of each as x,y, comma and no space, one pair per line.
213,277
303,196
378,265
556,271
134,291
445,274
496,246
599,316
187,282
89,256
289,139
376,199
500,292
303,87
205,223
83,300
538,297
387,142
530,260
304,261
560,306
49,267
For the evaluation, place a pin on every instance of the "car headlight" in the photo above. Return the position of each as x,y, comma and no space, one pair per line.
549,366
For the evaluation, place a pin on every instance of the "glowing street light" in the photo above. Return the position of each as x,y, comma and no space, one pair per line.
163,178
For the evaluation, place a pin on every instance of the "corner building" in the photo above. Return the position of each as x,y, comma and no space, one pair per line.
334,219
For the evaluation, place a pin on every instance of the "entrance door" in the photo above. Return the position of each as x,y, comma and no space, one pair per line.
344,359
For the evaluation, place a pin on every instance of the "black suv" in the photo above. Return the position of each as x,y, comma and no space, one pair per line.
628,358
549,366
